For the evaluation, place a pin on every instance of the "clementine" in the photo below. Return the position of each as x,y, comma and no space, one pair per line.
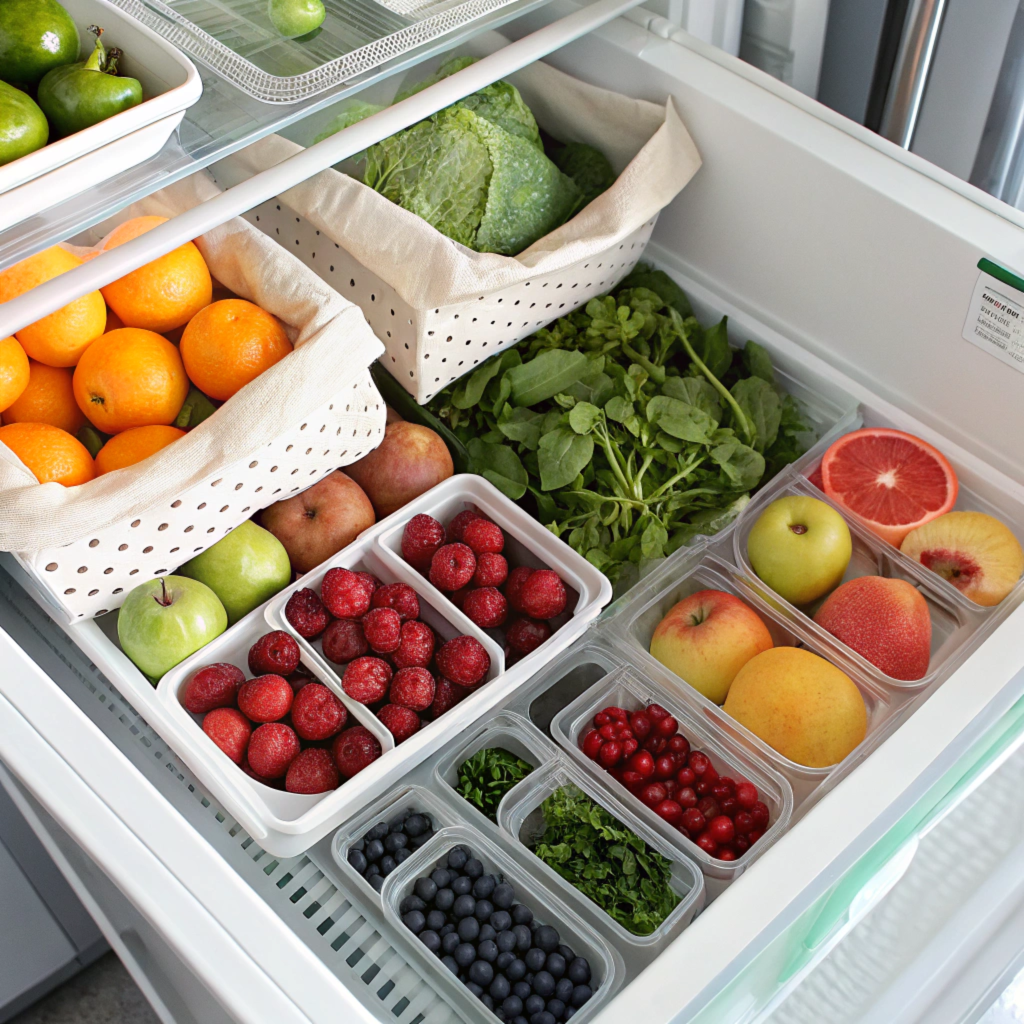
130,378
60,338
13,372
230,343
52,454
49,398
131,446
165,293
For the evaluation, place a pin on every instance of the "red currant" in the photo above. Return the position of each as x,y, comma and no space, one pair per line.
653,793
592,744
671,788
728,806
693,820
753,836
724,780
643,763
679,745
720,791
698,762
746,794
656,712
722,829
609,731
725,855
741,844
708,807
640,723
629,747
670,811
686,777
666,726
610,753
655,743
664,767
743,823
631,779
759,812
618,713
707,843
601,718
686,797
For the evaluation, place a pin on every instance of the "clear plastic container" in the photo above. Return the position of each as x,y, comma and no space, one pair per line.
626,689
606,964
522,817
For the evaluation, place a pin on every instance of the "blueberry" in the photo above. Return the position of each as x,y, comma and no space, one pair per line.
570,1012
563,989
524,937
457,858
474,869
501,920
543,1018
431,940
469,929
449,962
578,971
376,882
464,906
544,984
359,844
465,954
462,885
516,971
426,889
556,1008
483,887
529,979
379,831
444,900
534,925
481,972
436,921
387,865
371,870
415,921
396,825
533,1004
567,953
374,850
415,844
450,943
512,1005
520,1020
501,1014
395,842
503,896
483,910
506,941
487,1001
487,951
580,994
358,860
521,989
415,825
441,877
446,930
535,959
403,855
500,988
487,932
474,988
554,965
504,959
547,938
521,914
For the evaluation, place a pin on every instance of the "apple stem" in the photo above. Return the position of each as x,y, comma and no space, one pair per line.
163,597
799,528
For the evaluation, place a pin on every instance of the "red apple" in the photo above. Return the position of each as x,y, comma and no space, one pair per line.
707,638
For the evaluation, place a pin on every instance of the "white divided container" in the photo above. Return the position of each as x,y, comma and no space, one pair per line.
170,84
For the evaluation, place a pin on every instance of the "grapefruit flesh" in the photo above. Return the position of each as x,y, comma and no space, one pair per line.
893,481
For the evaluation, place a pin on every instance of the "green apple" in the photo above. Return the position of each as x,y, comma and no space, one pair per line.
800,547
165,620
244,569
294,18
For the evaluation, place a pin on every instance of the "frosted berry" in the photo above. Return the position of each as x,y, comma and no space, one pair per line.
312,771
486,607
366,679
444,698
354,749
265,699
526,635
344,641
372,583
458,525
514,586
416,646
543,595
272,783
275,653
399,596
483,537
345,594
452,567
215,686
306,613
400,722
230,730
272,748
422,536
412,688
317,714
382,628
491,570
463,660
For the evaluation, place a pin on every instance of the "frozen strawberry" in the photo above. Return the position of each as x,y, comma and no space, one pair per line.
416,647
452,567
412,688
265,699
422,536
459,524
526,635
514,585
383,629
317,714
367,679
460,693
274,653
463,660
444,699
542,595
299,678
371,581
486,606
491,570
262,780
401,722
458,597
312,771
306,613
215,686
354,749
230,730
272,748
399,596
344,641
483,537
346,595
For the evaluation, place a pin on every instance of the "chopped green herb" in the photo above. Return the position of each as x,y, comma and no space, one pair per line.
488,775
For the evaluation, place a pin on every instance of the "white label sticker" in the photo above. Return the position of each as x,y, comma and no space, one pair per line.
995,320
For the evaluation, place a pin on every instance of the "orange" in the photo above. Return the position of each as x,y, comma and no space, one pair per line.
113,322
51,453
230,343
130,378
131,446
49,398
60,338
163,294
13,372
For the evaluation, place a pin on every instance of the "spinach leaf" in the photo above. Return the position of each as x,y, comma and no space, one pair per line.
757,362
695,391
488,775
762,407
547,375
499,464
678,419
562,456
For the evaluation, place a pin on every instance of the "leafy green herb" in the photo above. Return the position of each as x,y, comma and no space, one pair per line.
609,863
632,427
488,775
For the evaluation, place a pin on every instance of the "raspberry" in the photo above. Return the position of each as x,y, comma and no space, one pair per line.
463,660
312,771
272,748
399,596
215,686
346,595
526,635
491,570
371,581
274,653
483,537
458,525
265,699
354,749
366,680
383,629
401,722
230,730
306,613
486,607
444,698
416,648
452,567
542,595
412,688
514,585
422,536
344,641
317,714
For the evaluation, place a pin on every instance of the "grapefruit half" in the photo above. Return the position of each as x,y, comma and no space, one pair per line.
892,480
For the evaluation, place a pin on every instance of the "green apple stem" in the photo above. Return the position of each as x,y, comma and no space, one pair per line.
164,598
798,528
